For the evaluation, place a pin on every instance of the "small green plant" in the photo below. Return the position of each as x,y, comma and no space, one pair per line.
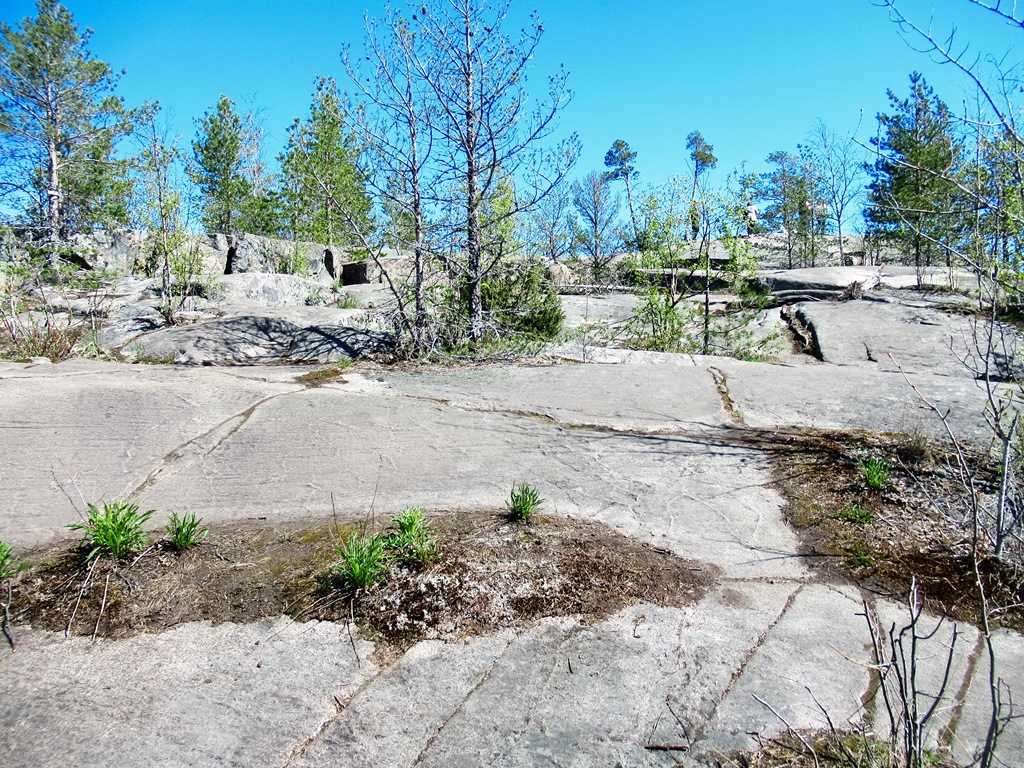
412,541
186,531
115,530
347,301
877,472
855,514
363,561
8,564
523,502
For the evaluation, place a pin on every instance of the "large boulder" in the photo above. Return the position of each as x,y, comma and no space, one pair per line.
920,338
285,334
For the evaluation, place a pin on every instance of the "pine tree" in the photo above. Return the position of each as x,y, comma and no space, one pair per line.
218,168
59,124
911,195
324,189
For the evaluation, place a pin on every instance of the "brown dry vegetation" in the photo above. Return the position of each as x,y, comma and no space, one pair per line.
915,528
491,574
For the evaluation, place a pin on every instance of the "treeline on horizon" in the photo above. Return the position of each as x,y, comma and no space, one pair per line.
439,151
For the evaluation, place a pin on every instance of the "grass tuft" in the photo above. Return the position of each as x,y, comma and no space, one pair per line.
855,514
411,541
523,502
115,530
185,532
877,472
363,562
8,564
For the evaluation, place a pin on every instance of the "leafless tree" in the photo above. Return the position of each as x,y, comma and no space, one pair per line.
839,166
486,128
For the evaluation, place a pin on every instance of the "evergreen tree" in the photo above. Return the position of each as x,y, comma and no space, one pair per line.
619,159
59,123
218,168
911,195
795,204
324,189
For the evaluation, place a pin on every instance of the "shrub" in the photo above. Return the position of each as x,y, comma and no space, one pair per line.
877,472
523,502
115,530
363,560
8,564
185,532
412,541
522,302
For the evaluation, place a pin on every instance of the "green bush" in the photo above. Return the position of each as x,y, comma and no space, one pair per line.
115,530
877,472
521,301
523,502
185,532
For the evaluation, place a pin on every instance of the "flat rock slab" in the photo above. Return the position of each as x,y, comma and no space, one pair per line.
290,334
920,339
647,445
561,691
236,695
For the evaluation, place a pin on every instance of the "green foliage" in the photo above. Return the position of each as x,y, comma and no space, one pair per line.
855,514
294,261
657,323
363,561
520,301
347,301
911,191
412,541
8,563
877,472
113,530
324,191
59,124
523,502
218,167
185,531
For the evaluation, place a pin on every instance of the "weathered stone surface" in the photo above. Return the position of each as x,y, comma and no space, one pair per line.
920,339
265,335
645,443
270,290
238,695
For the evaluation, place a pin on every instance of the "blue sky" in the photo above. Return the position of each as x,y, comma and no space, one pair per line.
752,76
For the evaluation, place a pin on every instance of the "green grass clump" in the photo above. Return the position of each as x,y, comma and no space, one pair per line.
877,472
855,514
412,541
8,564
185,532
523,502
115,530
364,560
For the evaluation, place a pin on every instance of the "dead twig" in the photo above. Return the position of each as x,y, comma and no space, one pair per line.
7,619
103,607
74,611
790,728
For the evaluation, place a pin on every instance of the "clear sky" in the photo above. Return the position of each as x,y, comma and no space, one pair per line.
752,76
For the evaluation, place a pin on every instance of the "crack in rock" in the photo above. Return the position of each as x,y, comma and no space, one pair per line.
199,447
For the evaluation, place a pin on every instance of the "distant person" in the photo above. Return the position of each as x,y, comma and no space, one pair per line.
751,217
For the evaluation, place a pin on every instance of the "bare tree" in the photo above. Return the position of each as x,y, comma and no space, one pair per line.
486,128
598,208
839,166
